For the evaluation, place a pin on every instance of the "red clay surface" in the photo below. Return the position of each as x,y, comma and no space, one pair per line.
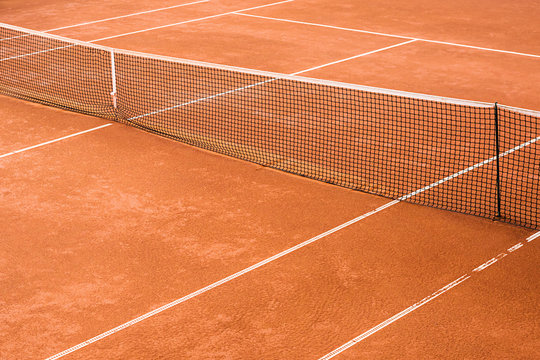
248,42
188,13
28,125
447,71
505,25
118,222
301,306
104,227
52,14
490,317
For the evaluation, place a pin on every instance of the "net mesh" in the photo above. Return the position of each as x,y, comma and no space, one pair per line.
55,72
456,155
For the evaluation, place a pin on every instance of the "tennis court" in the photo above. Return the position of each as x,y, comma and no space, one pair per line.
250,179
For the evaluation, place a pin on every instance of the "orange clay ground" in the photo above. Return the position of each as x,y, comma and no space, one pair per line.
104,227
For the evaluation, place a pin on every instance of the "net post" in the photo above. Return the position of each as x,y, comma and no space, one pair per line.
113,76
497,161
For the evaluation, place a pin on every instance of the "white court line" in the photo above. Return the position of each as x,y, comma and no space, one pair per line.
389,35
141,31
189,21
394,318
53,141
419,304
264,82
218,283
125,16
354,57
515,247
264,262
108,19
532,237
490,262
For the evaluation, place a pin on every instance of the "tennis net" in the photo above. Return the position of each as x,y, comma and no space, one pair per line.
470,157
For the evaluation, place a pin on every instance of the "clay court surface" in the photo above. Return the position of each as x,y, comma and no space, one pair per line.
120,244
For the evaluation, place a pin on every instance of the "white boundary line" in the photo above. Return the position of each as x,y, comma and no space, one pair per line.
109,19
324,26
90,42
354,57
277,256
424,301
389,35
272,258
188,21
53,141
218,283
127,15
394,318
531,238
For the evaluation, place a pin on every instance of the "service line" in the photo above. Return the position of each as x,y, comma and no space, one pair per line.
219,283
240,12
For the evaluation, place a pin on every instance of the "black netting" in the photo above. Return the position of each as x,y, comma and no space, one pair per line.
418,149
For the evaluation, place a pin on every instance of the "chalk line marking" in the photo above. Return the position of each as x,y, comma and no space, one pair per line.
532,237
487,161
394,318
188,21
490,262
127,15
220,282
239,12
107,19
419,304
76,42
53,141
515,247
354,57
